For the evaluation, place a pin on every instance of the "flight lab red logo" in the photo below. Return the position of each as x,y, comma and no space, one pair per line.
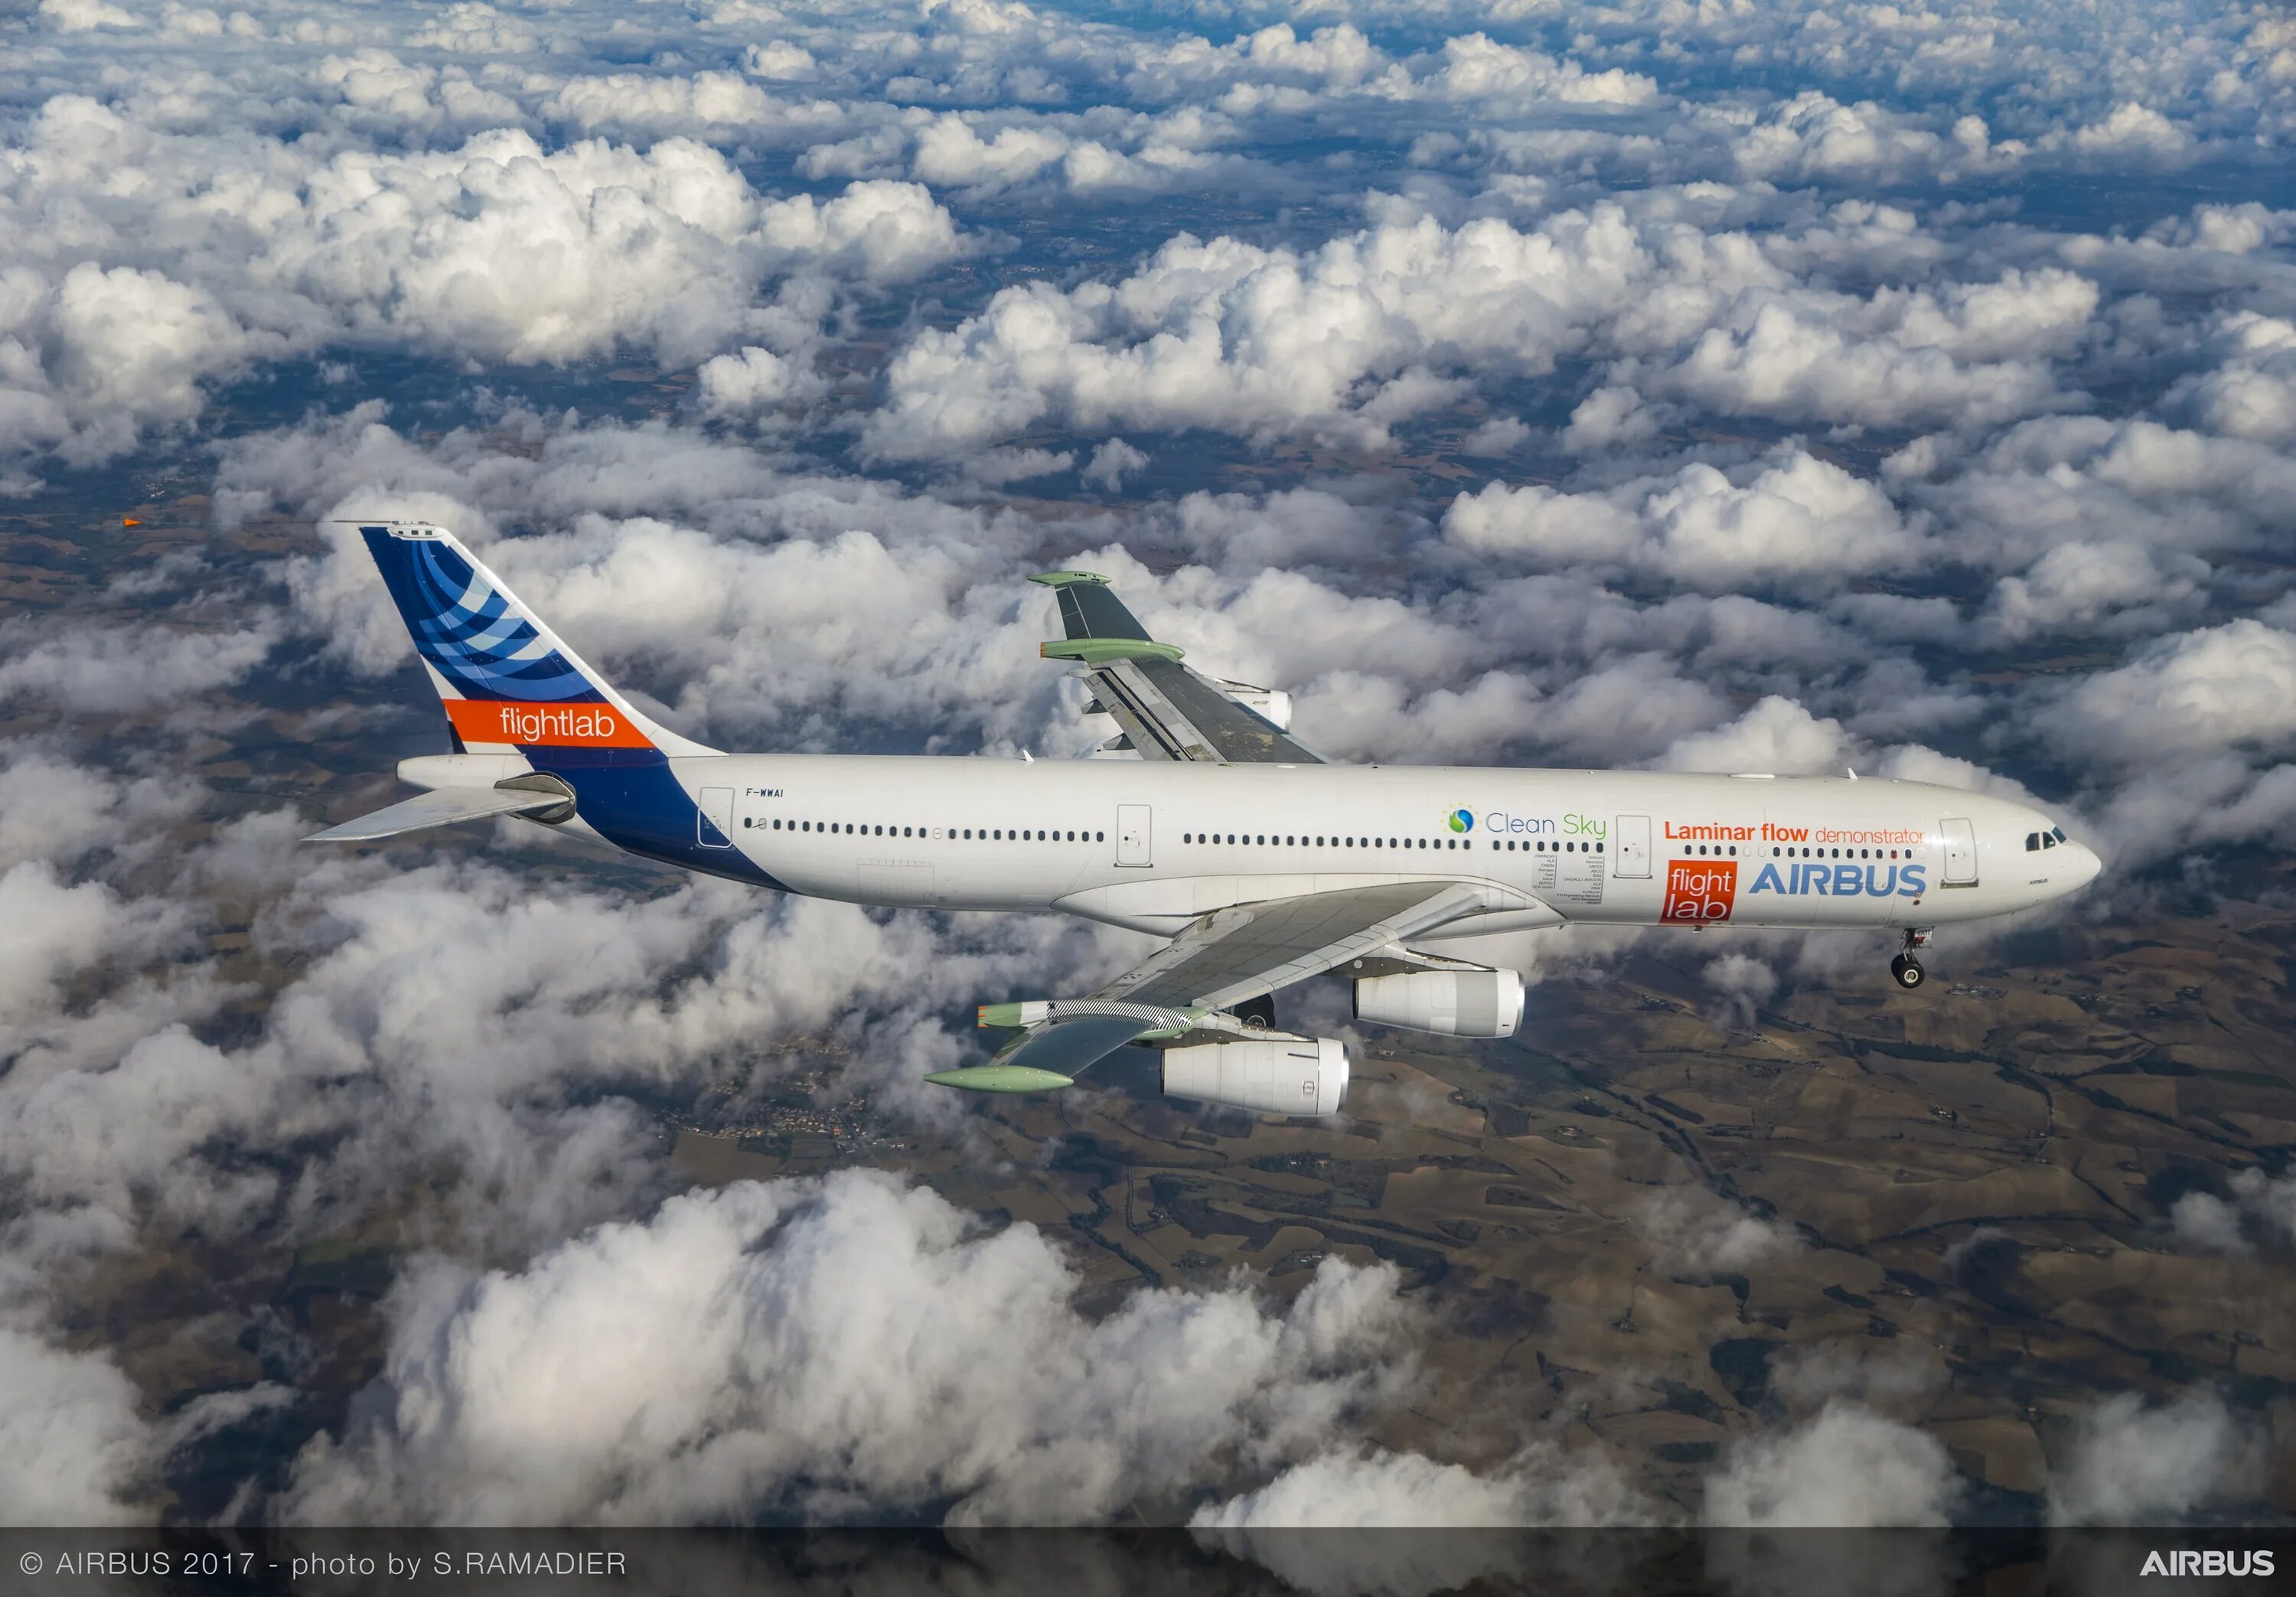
1699,891
543,725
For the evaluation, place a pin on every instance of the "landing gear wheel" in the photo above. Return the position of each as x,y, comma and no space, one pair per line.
1259,1013
1909,971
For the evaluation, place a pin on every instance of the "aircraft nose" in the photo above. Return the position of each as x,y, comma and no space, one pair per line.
2085,864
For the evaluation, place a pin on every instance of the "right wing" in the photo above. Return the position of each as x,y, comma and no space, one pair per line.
1218,959
441,807
1167,709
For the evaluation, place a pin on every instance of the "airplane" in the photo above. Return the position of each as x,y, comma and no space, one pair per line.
1203,819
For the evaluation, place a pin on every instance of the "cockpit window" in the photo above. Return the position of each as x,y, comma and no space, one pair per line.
2058,832
2048,839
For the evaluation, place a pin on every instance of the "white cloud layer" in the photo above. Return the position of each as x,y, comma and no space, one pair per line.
1713,388
951,1369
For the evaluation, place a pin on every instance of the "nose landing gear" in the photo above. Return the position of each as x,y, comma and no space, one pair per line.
1906,967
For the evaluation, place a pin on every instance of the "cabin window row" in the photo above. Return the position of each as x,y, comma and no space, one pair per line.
981,834
1266,839
1841,854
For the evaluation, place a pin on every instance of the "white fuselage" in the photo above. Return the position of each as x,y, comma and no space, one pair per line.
1151,846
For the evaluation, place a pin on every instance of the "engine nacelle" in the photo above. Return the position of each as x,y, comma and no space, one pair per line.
1456,1004
1276,1076
1273,704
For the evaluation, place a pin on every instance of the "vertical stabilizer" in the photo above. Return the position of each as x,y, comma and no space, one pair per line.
508,682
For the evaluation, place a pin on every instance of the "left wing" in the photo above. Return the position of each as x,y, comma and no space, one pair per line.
1219,959
1239,953
1167,710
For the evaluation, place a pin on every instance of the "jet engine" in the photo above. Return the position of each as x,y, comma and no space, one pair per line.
1274,1076
1272,704
1458,1003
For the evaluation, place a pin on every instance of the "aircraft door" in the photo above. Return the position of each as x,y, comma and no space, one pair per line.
1132,834
713,824
1960,851
1634,846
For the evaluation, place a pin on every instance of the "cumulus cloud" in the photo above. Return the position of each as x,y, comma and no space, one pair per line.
1965,354
2130,1462
1698,1231
1234,336
953,1369
2251,393
663,249
1110,463
2260,1207
750,381
1372,1488
1776,736
1745,984
99,670
2191,693
1800,518
1848,1467
77,1416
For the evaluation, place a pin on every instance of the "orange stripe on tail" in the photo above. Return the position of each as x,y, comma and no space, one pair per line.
544,726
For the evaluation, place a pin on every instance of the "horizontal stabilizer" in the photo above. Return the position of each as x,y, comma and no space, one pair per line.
441,807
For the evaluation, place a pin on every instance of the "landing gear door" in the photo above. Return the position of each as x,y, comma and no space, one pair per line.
1960,851
1132,839
1634,846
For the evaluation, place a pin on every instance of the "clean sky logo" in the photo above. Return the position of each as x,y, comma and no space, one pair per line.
1463,819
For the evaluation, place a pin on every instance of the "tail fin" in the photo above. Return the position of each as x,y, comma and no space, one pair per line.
507,683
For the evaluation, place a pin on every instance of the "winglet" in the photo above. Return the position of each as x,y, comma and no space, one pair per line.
1061,579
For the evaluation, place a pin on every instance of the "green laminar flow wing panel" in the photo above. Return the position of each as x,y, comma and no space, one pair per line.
1001,1078
1046,1057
